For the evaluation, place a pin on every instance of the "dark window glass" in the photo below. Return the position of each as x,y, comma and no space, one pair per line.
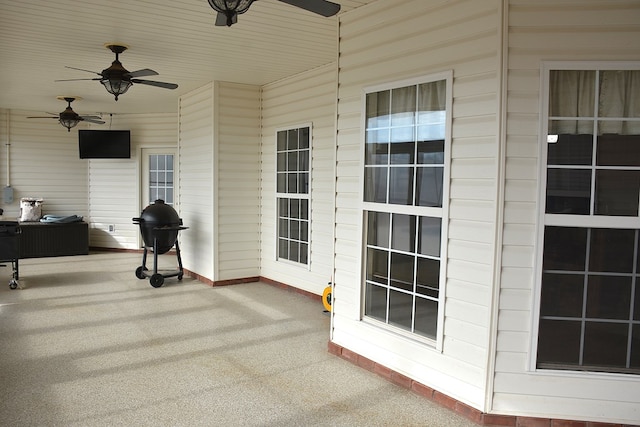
426,317
378,229
281,141
282,183
378,266
611,250
403,233
376,153
609,297
617,192
304,253
618,150
304,209
283,248
294,251
401,185
564,248
562,295
294,208
403,153
429,233
605,344
559,342
292,139
568,191
303,183
400,309
304,134
303,160
292,161
635,346
429,184
402,268
283,229
375,302
428,277
571,150
431,152
292,183
378,109
375,185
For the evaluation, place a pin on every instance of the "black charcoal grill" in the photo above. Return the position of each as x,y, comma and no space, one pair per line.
159,226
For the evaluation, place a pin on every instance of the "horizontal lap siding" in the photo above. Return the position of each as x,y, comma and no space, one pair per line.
197,180
238,141
56,173
308,98
114,184
382,43
561,30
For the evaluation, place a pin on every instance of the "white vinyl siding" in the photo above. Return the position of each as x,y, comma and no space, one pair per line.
238,192
306,98
561,30
43,162
381,43
219,180
114,193
198,180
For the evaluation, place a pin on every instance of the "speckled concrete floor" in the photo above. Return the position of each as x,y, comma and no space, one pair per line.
85,343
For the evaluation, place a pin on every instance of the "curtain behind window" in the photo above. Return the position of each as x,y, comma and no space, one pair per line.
575,97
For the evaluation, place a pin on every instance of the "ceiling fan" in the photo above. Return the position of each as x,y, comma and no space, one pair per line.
228,10
117,79
69,118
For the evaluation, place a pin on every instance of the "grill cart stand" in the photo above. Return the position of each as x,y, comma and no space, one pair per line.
10,249
156,278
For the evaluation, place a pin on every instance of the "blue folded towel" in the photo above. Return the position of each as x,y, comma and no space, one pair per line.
61,218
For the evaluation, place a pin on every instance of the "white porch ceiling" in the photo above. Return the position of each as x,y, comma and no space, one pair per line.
176,38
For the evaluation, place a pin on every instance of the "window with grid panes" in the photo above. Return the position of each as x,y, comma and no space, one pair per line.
406,152
293,153
161,178
589,316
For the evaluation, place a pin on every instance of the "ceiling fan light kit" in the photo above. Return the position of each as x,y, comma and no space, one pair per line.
117,79
69,118
228,10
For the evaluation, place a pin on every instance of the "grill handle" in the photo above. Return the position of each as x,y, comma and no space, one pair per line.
137,220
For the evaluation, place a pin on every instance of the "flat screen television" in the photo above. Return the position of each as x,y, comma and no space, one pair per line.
104,144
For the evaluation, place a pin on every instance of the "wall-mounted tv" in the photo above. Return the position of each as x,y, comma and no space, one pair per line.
104,144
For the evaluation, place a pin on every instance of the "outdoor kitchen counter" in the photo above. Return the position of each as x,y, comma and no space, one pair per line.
42,239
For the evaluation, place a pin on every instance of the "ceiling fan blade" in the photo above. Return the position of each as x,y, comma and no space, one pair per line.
91,117
221,20
91,120
74,80
42,117
142,73
321,7
157,84
82,69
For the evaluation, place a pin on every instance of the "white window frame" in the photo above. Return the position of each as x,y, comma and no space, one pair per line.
306,196
582,221
442,212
